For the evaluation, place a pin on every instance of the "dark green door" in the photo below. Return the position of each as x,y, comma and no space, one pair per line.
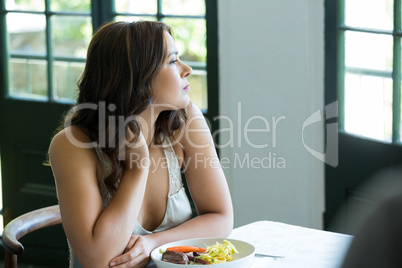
363,73
43,46
27,184
364,177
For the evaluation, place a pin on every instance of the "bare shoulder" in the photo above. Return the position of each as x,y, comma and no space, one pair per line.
196,132
193,110
70,137
71,144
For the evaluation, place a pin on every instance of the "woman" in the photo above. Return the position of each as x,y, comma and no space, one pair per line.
117,160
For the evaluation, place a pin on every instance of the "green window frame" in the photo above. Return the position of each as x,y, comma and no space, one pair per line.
336,68
98,13
48,56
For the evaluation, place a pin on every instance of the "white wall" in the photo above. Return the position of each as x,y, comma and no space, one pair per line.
272,65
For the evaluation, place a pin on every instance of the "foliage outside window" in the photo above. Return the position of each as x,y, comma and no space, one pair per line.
47,42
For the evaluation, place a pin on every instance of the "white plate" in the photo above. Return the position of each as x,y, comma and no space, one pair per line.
241,260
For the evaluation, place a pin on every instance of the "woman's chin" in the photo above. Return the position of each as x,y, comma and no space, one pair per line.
171,107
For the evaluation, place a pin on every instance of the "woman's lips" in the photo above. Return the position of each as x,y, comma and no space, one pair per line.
187,87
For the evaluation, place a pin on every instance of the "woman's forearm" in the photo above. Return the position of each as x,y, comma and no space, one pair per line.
206,225
115,224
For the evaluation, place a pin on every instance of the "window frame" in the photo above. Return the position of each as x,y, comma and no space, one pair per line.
101,12
335,61
48,57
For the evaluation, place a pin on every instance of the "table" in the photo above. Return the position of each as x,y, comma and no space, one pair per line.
300,246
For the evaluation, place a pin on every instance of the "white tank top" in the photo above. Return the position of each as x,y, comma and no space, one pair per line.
178,208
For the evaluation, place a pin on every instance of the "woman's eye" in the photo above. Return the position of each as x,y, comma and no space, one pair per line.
173,61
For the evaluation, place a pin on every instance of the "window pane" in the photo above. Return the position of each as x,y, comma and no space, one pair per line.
400,126
190,38
28,78
26,38
71,35
198,88
136,7
70,5
65,77
368,106
376,14
370,51
183,7
134,18
31,5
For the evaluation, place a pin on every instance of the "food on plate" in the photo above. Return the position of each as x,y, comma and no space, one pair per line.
217,253
175,257
182,258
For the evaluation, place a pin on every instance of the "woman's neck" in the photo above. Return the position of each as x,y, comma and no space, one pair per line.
147,121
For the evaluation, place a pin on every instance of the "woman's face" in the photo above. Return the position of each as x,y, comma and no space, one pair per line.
170,87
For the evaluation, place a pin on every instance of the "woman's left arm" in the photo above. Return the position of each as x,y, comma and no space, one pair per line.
205,179
207,185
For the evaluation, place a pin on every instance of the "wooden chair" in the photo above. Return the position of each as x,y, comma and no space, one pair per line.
23,225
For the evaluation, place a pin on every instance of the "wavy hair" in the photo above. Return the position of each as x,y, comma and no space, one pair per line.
122,60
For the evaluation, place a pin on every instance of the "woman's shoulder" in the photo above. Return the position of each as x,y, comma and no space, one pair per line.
196,130
71,151
193,111
71,138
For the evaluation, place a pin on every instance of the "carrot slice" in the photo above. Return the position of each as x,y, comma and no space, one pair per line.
186,249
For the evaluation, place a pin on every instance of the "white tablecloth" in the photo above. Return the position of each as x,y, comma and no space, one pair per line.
300,247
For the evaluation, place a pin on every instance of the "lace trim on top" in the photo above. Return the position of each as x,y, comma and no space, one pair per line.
175,182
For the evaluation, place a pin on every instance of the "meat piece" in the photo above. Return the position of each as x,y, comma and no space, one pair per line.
196,254
201,261
196,259
175,257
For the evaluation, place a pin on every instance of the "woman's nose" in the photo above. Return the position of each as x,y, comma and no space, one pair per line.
187,70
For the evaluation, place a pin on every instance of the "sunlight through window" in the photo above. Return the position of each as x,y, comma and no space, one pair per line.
369,90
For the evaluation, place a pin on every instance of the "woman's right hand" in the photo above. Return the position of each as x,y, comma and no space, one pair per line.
136,254
136,153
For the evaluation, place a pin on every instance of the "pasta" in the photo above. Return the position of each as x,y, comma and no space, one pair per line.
219,253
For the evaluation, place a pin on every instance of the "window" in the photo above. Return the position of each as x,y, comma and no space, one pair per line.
369,68
47,42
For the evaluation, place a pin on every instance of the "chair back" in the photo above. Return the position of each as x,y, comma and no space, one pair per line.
25,224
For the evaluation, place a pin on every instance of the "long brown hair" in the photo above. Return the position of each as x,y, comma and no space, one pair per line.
122,60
